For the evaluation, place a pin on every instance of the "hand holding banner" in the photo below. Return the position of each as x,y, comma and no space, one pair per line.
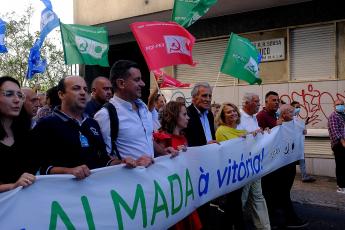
163,43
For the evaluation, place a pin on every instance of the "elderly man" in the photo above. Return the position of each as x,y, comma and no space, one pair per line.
276,185
336,129
31,104
252,198
101,92
75,140
200,131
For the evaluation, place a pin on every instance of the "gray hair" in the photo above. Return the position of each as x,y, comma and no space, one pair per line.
248,97
196,87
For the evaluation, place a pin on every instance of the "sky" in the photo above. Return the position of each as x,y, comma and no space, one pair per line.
63,8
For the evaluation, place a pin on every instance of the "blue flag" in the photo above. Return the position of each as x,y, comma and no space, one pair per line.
49,20
48,4
35,63
3,48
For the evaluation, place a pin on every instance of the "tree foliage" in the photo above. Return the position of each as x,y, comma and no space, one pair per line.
19,39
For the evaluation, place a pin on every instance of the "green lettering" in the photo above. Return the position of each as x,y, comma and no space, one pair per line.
163,206
189,187
88,213
171,178
56,210
118,200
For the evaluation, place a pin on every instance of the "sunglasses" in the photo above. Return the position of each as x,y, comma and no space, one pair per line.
12,93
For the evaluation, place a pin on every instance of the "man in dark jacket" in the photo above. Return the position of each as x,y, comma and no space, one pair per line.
200,131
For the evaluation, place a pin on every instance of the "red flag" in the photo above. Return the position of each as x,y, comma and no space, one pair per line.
168,81
163,43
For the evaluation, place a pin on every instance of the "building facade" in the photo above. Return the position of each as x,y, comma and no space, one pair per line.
302,44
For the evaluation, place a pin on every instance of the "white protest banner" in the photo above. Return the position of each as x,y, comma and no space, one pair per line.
149,198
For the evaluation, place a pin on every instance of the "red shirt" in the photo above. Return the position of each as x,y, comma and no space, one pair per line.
266,119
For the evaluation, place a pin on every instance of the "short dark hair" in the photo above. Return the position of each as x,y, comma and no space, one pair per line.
294,103
61,85
120,69
3,79
270,93
53,96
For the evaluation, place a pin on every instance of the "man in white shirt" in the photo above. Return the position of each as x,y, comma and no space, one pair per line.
135,129
252,197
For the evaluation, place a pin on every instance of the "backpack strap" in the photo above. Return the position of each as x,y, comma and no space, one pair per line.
114,128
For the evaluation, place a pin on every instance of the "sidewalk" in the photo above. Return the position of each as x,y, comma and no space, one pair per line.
322,192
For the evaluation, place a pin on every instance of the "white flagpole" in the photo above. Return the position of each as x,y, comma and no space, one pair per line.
215,84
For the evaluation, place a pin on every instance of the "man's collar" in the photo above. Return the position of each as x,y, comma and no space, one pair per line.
199,112
127,104
64,117
243,113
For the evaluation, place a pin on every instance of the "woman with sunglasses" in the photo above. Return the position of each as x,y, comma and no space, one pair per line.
13,170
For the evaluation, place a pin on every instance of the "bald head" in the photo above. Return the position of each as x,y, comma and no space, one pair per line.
286,112
101,89
31,103
72,91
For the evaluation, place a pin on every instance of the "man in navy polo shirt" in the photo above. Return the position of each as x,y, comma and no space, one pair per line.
75,141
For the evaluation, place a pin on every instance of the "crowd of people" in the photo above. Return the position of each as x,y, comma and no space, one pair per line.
116,127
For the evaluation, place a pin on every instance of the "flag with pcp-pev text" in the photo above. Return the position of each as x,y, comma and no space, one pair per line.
163,43
85,44
3,48
187,12
241,60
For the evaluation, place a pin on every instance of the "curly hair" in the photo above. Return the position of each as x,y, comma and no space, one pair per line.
220,118
170,115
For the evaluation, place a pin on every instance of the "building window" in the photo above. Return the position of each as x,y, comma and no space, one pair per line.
312,53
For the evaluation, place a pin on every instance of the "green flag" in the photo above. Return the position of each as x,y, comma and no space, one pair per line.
85,44
186,12
241,60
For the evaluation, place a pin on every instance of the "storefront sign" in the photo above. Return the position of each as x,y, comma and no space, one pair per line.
271,50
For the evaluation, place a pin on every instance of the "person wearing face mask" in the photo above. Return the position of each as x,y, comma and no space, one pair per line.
336,129
305,177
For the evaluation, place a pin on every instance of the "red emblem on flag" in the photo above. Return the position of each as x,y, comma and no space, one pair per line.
164,43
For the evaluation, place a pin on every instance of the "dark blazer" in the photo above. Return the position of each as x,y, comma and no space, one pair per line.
194,131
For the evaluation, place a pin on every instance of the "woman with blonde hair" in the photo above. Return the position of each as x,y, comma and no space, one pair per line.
227,119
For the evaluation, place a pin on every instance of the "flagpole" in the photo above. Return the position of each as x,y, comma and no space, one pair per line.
215,84
233,96
159,90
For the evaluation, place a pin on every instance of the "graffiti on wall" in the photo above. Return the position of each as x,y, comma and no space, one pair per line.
313,102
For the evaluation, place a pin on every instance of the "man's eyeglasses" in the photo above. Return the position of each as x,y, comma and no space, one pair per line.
12,93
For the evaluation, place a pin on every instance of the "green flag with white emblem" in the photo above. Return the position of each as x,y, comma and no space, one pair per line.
186,12
85,44
241,60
